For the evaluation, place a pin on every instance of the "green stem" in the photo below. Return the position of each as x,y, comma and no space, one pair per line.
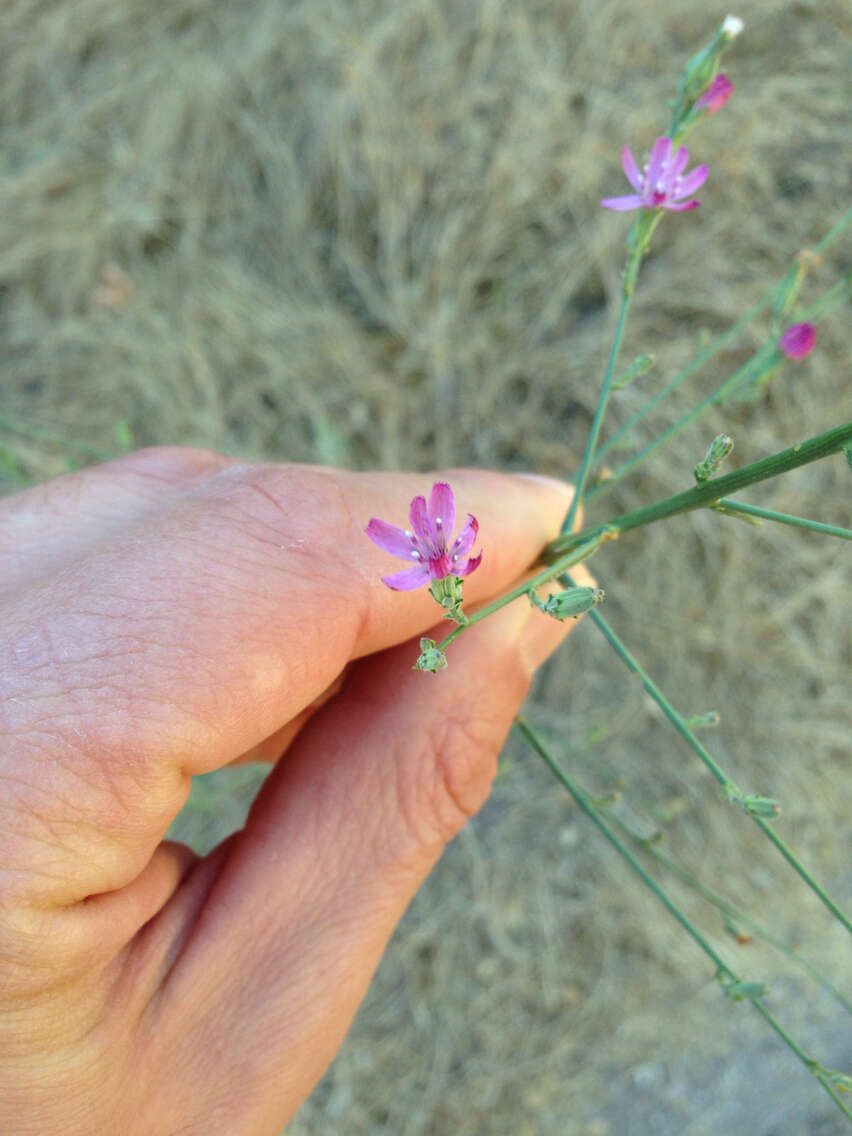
765,358
584,802
715,347
727,506
681,377
729,910
591,444
831,442
575,556
730,787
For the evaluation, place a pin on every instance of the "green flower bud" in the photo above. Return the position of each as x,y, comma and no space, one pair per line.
717,451
569,604
640,366
744,991
432,658
761,806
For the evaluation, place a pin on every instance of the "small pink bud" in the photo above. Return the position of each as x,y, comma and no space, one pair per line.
716,95
798,340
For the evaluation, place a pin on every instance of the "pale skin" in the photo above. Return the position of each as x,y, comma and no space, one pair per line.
173,612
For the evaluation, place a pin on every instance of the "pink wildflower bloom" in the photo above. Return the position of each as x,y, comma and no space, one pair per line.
661,185
427,541
798,340
716,95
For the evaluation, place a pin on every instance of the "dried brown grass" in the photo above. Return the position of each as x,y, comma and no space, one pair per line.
367,233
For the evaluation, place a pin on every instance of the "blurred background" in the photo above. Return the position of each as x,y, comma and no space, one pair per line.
367,233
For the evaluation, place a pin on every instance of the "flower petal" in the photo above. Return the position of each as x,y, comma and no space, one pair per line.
632,171
682,207
421,524
620,204
462,569
676,167
659,160
442,513
390,537
693,181
466,539
409,579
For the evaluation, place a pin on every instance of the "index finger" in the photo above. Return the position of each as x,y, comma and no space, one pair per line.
193,636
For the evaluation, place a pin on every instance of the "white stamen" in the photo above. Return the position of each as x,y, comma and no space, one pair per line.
416,554
438,522
409,534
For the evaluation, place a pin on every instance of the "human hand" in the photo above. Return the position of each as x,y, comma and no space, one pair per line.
164,615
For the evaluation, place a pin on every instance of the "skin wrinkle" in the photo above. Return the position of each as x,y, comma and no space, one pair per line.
288,927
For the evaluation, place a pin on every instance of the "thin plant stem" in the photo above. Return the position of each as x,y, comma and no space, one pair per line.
763,360
727,506
714,348
681,377
575,556
709,492
592,442
729,910
585,803
731,789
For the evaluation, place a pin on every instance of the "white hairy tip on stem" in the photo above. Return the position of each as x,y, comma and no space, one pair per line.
732,26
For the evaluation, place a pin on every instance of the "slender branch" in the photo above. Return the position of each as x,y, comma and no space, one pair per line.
575,556
763,360
681,377
592,442
727,506
831,442
584,802
727,783
729,910
715,347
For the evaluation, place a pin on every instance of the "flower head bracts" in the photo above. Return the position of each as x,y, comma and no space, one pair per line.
427,542
662,184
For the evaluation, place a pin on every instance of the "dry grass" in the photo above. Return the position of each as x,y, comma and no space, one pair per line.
366,232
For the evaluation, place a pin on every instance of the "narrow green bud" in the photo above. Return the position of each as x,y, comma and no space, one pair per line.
717,451
448,593
640,366
841,1081
570,604
432,658
702,721
761,806
745,991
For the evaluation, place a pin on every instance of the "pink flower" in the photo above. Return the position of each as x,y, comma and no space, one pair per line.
661,185
798,340
426,542
716,95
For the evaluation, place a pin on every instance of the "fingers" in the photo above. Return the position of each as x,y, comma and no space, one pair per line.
191,636
344,832
47,527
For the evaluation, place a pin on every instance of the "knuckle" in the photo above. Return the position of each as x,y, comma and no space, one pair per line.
176,462
461,764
